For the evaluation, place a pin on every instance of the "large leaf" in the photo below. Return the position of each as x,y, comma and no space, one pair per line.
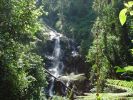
129,68
125,69
123,16
130,3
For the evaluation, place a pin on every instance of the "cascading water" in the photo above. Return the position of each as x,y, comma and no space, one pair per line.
62,61
57,64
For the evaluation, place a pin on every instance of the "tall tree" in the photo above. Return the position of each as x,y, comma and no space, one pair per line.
21,69
112,47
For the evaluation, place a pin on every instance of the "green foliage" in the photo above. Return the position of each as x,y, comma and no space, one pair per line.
123,83
125,11
72,18
59,98
19,19
125,69
21,69
131,51
108,48
123,16
98,98
102,45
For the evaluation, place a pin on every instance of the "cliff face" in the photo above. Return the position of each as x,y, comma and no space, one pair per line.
62,58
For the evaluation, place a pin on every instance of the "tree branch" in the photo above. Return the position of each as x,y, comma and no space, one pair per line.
56,78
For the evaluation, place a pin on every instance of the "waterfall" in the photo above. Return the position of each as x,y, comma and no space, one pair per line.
57,64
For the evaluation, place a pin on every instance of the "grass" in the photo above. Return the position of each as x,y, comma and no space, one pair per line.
127,86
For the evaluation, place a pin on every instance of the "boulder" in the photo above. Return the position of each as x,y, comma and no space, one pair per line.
72,77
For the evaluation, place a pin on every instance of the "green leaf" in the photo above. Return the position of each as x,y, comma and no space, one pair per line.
131,51
131,13
130,3
120,70
129,68
125,69
123,16
126,5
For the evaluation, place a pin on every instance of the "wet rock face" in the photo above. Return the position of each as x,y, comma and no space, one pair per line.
81,86
73,61
68,58
60,88
75,64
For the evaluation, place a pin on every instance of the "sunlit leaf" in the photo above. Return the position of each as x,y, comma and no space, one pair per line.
125,69
131,13
126,5
130,4
129,68
131,51
123,16
120,70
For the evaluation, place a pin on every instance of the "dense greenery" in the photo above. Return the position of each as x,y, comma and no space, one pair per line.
102,31
72,18
127,84
111,44
96,28
21,69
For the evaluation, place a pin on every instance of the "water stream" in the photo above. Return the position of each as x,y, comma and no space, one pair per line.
57,65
